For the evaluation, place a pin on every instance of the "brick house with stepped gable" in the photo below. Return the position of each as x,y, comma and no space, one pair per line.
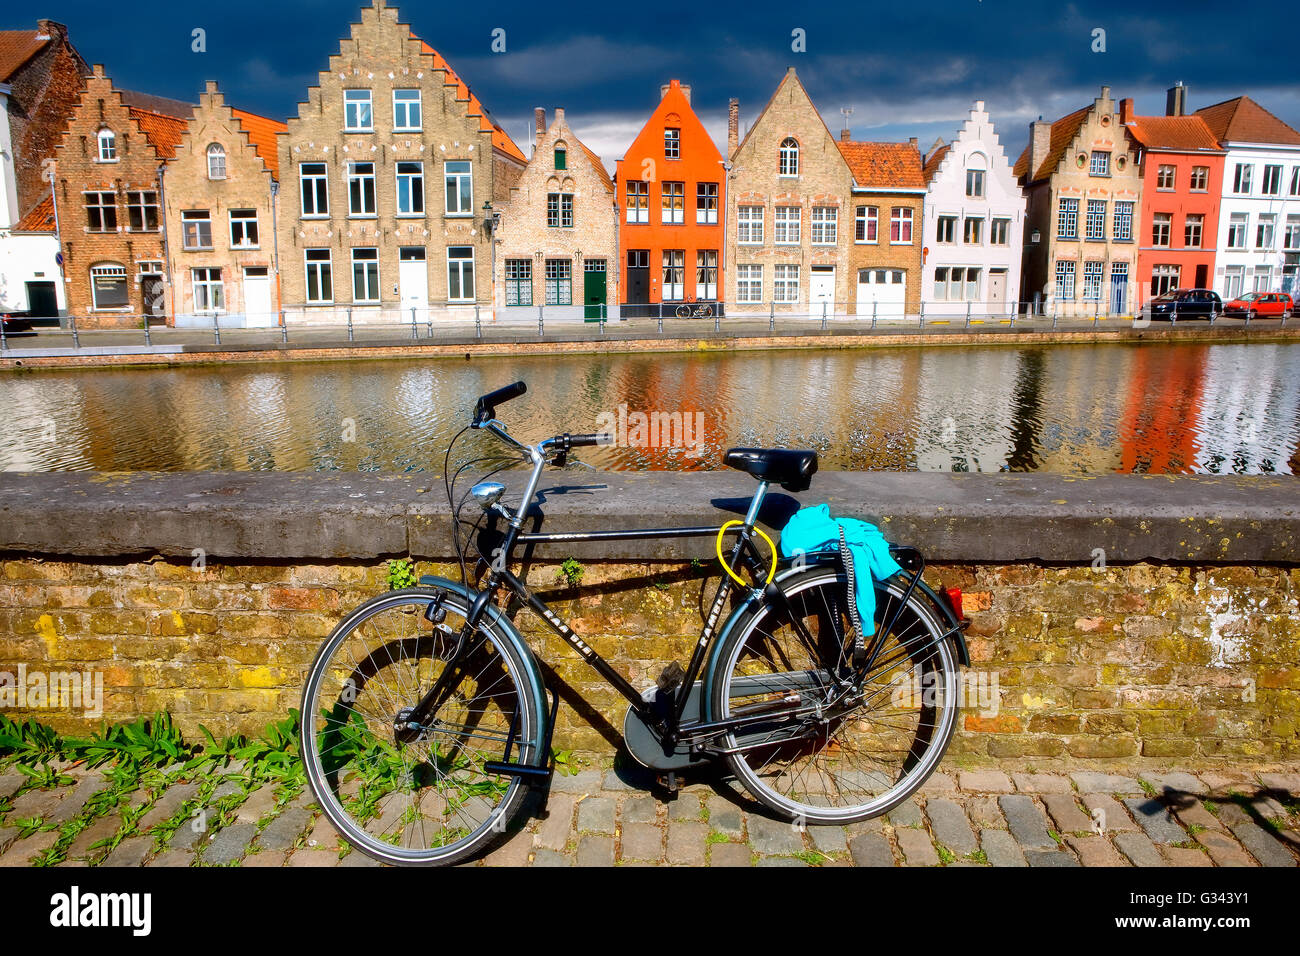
557,238
391,170
220,219
108,200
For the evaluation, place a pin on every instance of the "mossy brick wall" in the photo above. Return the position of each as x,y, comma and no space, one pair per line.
1192,665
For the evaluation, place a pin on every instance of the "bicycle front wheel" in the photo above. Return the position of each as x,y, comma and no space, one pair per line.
416,795
849,755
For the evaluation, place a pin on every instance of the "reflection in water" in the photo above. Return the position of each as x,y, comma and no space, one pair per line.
1071,409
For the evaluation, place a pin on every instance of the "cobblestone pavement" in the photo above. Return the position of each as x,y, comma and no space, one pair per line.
599,818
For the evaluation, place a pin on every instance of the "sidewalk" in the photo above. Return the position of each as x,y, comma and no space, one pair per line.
596,818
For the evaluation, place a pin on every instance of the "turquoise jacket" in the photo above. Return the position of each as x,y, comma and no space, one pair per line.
813,529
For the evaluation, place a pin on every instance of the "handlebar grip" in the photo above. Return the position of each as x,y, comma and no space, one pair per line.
487,404
583,441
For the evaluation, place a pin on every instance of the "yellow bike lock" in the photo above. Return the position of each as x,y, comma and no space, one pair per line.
726,567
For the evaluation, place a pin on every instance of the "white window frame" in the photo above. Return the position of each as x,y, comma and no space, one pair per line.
945,230
1201,175
410,180
1272,177
973,224
314,269
361,104
320,183
783,224
361,180
1266,231
1238,228
1234,281
1000,231
706,266
785,283
403,107
1067,212
1121,229
110,270
672,202
788,157
464,183
706,203
749,226
1162,223
975,178
1094,278
901,216
209,294
244,220
1194,221
637,201
1166,171
1099,162
367,291
216,161
866,220
749,283
106,146
1065,274
824,222
193,241
1241,177
463,266
672,142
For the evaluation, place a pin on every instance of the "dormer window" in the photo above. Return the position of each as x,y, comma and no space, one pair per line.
216,161
107,146
561,158
789,157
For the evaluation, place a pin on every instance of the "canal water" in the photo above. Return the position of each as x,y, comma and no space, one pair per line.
1067,409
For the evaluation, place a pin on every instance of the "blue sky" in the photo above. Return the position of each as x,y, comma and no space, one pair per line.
905,69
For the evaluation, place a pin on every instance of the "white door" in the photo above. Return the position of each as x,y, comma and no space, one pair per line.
882,293
821,291
997,291
413,281
257,298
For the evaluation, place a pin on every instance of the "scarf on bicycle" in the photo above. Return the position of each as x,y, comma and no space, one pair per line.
864,549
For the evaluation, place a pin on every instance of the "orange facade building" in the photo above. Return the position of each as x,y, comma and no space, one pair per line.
671,189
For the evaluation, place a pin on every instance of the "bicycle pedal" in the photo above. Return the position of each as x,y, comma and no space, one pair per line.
670,678
669,782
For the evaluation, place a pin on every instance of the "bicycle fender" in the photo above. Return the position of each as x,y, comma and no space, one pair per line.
506,628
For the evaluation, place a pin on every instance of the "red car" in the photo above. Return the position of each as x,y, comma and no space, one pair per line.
1253,304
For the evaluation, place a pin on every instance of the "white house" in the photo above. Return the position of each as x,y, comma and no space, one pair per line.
974,224
1259,218
30,277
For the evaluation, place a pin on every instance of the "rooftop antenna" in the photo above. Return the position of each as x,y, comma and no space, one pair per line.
847,111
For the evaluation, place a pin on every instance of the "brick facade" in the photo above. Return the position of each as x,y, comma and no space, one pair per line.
563,183
360,170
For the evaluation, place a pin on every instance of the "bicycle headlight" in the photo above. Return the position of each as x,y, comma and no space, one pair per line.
487,493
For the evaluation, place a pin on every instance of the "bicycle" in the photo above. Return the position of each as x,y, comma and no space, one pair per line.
702,311
425,718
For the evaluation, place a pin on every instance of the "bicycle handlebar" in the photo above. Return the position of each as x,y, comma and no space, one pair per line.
486,407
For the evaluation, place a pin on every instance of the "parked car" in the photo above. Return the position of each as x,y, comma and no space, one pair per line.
17,323
1184,304
1254,304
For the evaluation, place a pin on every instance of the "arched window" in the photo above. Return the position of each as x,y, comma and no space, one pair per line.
107,146
976,165
108,288
561,156
216,161
789,165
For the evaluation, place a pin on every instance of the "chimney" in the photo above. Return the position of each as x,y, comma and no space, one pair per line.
539,122
911,141
663,90
1176,100
733,127
1126,111
844,135
686,92
559,115
1040,141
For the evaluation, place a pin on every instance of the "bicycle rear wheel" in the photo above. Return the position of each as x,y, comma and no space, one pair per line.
855,759
416,795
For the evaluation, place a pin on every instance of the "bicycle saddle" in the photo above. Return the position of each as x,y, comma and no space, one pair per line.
792,469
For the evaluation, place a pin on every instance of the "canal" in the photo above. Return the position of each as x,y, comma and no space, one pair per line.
1069,409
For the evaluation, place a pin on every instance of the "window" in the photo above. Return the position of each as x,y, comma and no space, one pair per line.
789,220
1065,281
900,225
358,116
1272,183
108,289
1165,177
1099,163
243,229
196,228
1192,230
749,225
749,283
956,284
975,183
974,231
672,143
785,284
1295,181
1200,181
638,200
216,161
1241,179
320,284
1094,225
406,110
365,275
1122,229
1093,270
1291,239
559,282
941,276
1233,281
788,157
1263,278
460,273
410,189
209,294
1238,225
865,222
458,176
674,274
107,142
673,201
361,189
825,225
706,203
101,212
1000,232
560,158
519,282
1164,279
706,274
314,179
1067,219
559,210
142,211
1264,231
1161,226
946,230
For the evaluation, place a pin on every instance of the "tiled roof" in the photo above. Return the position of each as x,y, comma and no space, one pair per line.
158,104
884,165
598,164
16,48
936,157
262,132
1173,132
163,132
500,139
1242,120
40,218
1063,133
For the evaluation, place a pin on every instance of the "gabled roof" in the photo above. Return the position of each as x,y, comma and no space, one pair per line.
500,138
1242,120
1063,132
16,48
599,165
935,158
790,74
884,165
261,133
1182,133
40,218
158,104
163,132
